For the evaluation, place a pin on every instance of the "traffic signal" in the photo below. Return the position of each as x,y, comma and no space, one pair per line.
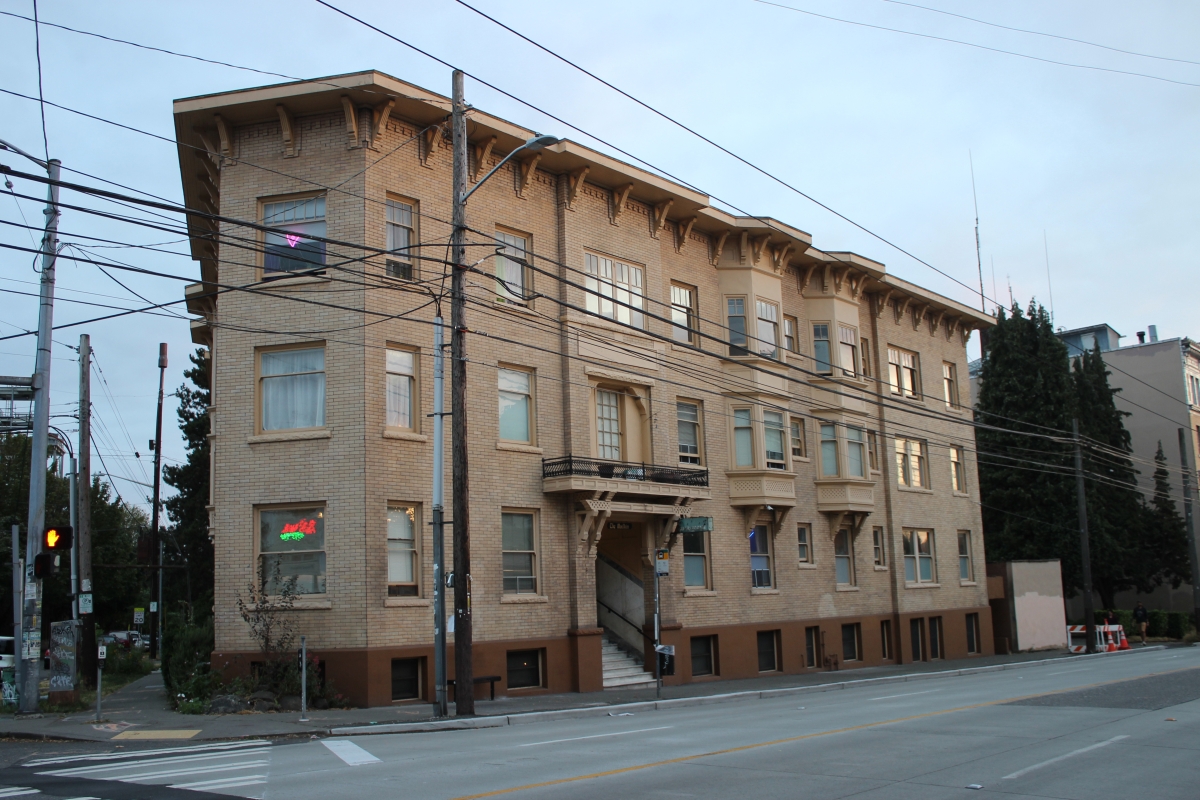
59,537
44,565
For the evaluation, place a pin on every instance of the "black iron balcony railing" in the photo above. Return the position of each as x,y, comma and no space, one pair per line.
620,470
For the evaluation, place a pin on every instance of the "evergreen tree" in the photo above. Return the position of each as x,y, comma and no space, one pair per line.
1164,543
187,544
1026,482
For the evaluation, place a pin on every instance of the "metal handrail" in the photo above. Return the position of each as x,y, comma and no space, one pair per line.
636,627
622,470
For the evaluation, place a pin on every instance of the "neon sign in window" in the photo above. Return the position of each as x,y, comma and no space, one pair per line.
296,531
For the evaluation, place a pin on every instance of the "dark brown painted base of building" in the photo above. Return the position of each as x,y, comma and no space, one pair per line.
572,663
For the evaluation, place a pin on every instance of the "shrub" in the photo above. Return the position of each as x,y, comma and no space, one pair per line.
1158,624
185,647
1178,624
126,662
194,706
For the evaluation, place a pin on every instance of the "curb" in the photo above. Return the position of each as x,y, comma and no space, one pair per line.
500,721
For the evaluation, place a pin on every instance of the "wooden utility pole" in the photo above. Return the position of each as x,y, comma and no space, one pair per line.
83,532
1193,550
1085,548
464,672
156,548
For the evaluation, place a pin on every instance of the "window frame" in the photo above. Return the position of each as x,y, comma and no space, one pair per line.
913,557
620,422
771,320
748,429
595,298
703,554
263,202
958,469
804,545
699,423
879,547
791,334
503,293
259,569
689,311
259,379
904,379
904,454
419,663
974,643
848,341
536,570
539,655
950,385
779,431
865,357
844,559
854,629
820,333
395,263
530,407
711,645
856,445
417,529
872,451
798,433
825,427
766,553
966,559
774,637
739,340
414,391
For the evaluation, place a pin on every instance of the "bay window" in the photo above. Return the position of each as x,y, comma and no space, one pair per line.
768,329
821,352
829,450
848,349
614,290
735,320
774,438
856,462
743,438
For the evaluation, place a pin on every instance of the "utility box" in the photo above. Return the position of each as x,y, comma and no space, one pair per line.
1028,608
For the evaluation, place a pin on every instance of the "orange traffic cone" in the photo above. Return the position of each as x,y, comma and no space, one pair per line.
1112,646
1124,642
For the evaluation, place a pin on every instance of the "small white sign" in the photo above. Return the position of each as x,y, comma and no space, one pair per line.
153,607
139,617
85,585
665,649
662,562
102,652
85,603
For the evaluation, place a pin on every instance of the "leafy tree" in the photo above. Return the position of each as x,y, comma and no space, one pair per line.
187,544
1164,543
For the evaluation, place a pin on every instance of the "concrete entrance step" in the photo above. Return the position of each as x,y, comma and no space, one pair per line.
622,670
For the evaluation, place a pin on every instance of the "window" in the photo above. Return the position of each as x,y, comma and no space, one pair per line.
843,558
401,385
524,669
812,646
768,651
760,557
805,546
910,463
292,549
683,313
790,330
950,384
904,373
936,644
885,639
287,246
829,453
292,388
768,329
516,405
918,557
852,642
966,570
703,662
510,268
848,349
687,420
821,353
402,550
406,679
973,641
519,555
872,452
774,440
743,438
916,629
799,439
608,424
1194,383
614,290
695,559
856,453
865,357
958,470
878,546
400,238
735,318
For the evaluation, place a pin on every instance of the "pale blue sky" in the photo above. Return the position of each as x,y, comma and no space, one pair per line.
876,124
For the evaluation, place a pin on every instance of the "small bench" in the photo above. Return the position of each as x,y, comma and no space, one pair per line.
488,679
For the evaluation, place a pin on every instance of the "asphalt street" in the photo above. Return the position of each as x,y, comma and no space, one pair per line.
1114,727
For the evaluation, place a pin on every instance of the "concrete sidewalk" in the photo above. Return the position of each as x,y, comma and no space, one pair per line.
140,711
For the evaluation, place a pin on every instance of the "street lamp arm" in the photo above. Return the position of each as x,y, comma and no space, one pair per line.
12,147
536,143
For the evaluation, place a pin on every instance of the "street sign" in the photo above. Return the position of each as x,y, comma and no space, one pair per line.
665,649
662,562
153,607
139,616
101,652
85,603
695,524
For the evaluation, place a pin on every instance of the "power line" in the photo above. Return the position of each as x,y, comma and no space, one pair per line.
37,49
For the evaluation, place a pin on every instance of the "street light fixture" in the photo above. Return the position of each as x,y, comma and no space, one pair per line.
538,142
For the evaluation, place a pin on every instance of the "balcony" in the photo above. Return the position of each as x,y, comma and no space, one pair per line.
576,474
845,495
762,488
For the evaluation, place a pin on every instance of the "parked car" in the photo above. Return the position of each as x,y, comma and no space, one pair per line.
127,639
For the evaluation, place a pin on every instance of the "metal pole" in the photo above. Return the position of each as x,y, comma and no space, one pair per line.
41,410
18,566
464,672
155,542
1193,549
99,686
73,490
657,635
83,531
1089,609
303,679
439,525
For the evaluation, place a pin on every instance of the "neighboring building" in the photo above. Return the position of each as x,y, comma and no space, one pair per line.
829,502
1082,340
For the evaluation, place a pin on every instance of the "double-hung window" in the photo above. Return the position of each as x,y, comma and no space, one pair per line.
510,268
958,470
966,570
608,424
872,451
743,438
856,453
401,385
400,239
516,405
910,463
821,352
735,320
918,557
791,331
519,553
865,357
843,558
950,384
292,388
774,439
879,550
687,420
848,349
804,544
829,450
288,245
683,314
799,439
760,557
695,559
904,373
768,329
402,550
291,548
614,290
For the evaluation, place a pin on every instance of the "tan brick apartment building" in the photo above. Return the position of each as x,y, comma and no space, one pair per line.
815,452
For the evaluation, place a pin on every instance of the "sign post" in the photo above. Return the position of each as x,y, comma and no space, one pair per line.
662,566
101,652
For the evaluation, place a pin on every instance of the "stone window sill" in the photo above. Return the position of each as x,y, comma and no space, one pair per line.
961,494
516,447
922,585
291,436
515,306
806,565
522,599
845,587
914,490
761,590
968,583
880,569
406,602
404,435
272,282
699,593
314,604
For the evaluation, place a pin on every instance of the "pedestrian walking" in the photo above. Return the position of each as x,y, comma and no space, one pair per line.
1141,618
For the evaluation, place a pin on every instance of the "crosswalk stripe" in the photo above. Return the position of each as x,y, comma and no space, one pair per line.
226,783
147,761
349,752
240,745
175,773
17,791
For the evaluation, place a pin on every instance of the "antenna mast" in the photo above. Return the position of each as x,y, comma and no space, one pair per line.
1046,245
978,257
